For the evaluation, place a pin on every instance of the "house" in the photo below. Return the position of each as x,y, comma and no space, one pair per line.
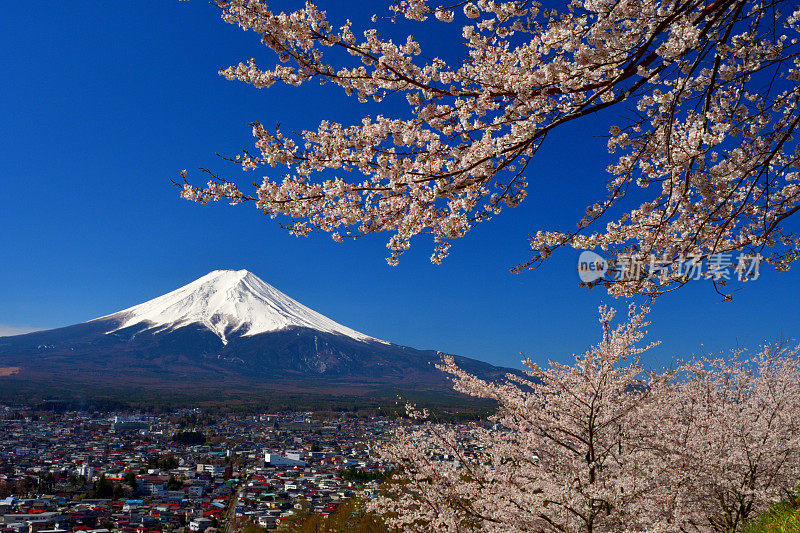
291,459
199,524
153,484
214,470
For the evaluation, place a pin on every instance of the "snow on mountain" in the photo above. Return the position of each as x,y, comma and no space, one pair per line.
227,302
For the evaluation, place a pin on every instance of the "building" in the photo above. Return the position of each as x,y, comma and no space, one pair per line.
291,459
214,470
199,524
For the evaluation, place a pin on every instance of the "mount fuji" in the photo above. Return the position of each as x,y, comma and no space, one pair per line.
228,329
235,302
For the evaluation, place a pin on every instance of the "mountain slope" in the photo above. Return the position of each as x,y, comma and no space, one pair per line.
228,328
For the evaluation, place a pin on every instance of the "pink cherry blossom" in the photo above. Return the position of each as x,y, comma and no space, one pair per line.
601,445
705,93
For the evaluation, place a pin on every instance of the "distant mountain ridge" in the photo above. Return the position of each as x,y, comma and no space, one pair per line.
228,328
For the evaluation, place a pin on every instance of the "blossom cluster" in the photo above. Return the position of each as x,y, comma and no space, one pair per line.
601,445
707,99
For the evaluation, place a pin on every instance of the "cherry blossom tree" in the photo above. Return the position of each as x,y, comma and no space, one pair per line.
702,94
567,451
730,433
600,445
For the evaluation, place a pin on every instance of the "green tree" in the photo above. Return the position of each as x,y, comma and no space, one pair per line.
363,475
130,479
253,528
163,462
77,481
189,438
102,488
174,484
350,517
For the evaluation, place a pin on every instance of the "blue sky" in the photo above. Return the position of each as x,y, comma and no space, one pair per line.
102,104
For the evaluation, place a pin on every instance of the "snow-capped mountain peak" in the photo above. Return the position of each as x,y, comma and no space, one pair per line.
228,302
